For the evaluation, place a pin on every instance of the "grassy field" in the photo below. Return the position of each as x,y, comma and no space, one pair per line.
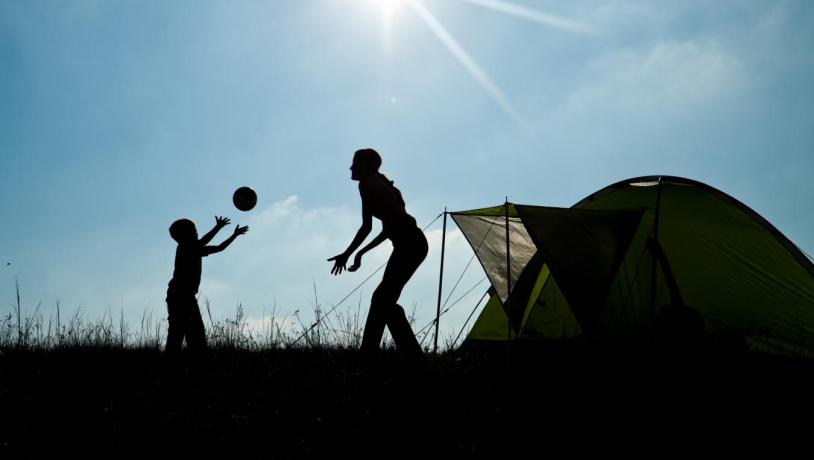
295,403
100,388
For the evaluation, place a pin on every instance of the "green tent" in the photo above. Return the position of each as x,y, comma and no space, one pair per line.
607,267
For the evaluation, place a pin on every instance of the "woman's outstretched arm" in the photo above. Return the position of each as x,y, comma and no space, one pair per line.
341,260
357,261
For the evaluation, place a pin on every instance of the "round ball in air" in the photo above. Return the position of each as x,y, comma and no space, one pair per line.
244,198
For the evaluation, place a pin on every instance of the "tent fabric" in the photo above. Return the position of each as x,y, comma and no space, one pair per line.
492,322
583,250
590,270
487,236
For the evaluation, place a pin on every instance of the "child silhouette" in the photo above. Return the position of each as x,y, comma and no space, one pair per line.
184,316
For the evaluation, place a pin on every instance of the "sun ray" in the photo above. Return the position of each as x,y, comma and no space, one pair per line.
465,60
389,8
534,15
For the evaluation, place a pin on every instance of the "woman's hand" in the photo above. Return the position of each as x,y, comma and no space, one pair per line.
357,262
339,263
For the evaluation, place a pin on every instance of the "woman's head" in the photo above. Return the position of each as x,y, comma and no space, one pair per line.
365,163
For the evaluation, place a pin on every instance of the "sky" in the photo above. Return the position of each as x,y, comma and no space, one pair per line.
116,118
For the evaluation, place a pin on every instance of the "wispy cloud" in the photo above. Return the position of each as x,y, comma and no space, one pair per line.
668,76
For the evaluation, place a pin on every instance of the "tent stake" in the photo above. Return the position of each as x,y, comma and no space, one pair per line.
440,283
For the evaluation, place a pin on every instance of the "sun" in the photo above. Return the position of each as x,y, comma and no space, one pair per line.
388,5
388,10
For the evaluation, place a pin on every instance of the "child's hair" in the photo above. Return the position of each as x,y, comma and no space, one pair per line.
182,229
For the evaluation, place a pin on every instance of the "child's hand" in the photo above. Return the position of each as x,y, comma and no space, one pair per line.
241,230
221,221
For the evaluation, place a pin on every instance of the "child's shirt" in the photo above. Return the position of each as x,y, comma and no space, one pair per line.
187,275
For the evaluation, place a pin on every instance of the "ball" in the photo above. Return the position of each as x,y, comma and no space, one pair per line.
244,198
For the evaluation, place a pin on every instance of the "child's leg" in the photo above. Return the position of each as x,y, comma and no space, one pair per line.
196,333
177,319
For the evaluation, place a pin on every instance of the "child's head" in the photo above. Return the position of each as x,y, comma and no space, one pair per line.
183,231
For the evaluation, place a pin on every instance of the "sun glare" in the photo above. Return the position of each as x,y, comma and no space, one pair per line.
388,10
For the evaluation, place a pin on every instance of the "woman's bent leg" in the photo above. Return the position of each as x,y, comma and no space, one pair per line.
384,309
374,326
402,332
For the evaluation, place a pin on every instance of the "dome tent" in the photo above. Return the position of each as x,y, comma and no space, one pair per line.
607,267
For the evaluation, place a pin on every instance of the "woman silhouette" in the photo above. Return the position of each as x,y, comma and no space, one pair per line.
381,199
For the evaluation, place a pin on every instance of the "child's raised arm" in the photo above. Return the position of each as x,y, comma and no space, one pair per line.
220,222
213,249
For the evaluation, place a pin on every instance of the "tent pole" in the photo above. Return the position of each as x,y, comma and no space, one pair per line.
508,275
654,264
440,283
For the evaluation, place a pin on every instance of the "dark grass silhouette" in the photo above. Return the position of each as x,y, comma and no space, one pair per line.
295,403
85,388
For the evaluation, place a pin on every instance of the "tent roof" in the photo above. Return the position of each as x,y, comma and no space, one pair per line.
651,181
492,211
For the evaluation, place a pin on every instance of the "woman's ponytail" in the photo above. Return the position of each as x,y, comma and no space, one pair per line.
393,187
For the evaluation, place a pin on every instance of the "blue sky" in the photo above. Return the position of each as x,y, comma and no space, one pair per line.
117,118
